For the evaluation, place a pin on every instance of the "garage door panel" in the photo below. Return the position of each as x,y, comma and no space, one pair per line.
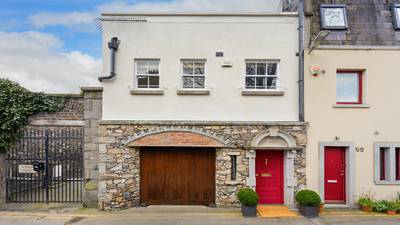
177,176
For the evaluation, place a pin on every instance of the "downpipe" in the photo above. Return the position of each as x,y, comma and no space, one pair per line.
113,46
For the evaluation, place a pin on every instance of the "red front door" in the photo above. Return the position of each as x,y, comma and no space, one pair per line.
335,175
269,176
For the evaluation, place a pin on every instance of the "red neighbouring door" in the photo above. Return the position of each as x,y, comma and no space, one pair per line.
335,175
269,176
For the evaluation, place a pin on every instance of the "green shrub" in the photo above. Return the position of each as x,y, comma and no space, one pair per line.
16,105
308,198
248,197
393,206
378,206
366,199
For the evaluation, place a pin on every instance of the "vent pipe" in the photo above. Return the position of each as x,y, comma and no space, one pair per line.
301,60
113,46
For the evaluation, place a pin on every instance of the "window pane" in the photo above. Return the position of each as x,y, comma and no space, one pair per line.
271,82
250,68
260,82
261,68
141,67
272,68
397,163
347,89
199,82
199,68
188,68
398,14
334,17
383,156
154,81
153,67
187,82
142,81
250,82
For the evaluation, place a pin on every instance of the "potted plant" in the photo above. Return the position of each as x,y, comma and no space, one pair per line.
249,199
392,207
308,202
366,201
380,206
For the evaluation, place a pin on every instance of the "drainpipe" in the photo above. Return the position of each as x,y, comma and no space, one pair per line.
301,60
113,46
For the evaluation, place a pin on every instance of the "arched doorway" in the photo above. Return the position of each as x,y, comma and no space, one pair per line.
271,160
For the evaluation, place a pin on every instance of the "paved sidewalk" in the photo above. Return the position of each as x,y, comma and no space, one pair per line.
160,215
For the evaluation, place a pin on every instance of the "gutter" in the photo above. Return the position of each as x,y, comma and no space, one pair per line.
113,46
301,61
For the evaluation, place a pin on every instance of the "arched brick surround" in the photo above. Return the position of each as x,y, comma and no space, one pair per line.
176,138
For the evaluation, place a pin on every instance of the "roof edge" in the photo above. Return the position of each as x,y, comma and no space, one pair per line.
253,14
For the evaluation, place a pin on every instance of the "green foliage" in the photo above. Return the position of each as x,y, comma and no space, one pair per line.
379,206
16,105
308,198
248,197
392,206
366,199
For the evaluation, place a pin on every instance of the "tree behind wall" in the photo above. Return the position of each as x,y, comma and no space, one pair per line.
16,105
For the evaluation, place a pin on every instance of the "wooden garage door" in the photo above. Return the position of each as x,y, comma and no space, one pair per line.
177,176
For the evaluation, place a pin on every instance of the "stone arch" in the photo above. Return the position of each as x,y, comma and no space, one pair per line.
273,138
183,137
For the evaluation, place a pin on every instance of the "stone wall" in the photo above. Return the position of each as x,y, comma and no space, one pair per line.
369,22
119,164
92,115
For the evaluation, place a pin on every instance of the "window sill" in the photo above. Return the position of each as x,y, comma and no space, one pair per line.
365,106
262,93
384,182
147,92
193,92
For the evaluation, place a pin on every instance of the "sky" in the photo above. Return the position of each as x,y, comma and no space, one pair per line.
54,45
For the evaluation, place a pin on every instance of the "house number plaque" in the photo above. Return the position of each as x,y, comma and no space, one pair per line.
359,149
26,169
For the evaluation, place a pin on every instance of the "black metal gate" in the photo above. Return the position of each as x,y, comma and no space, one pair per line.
46,165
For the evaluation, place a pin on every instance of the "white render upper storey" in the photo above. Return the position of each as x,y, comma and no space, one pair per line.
167,68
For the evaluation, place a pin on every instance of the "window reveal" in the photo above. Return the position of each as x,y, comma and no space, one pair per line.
233,167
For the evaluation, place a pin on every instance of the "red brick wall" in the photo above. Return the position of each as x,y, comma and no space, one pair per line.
177,138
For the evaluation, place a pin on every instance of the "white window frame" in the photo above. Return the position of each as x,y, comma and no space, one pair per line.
194,75
266,76
136,75
390,168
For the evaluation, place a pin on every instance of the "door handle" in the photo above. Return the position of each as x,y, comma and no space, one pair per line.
256,174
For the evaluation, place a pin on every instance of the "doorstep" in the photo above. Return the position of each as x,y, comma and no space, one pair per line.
275,211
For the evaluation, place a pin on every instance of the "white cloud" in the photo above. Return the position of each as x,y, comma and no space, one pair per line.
194,6
81,21
38,62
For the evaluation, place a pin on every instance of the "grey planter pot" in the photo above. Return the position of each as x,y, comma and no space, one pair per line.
309,212
249,211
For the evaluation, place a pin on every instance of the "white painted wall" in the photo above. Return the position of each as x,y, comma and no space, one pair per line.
172,38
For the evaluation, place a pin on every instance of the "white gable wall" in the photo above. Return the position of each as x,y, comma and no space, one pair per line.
172,38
